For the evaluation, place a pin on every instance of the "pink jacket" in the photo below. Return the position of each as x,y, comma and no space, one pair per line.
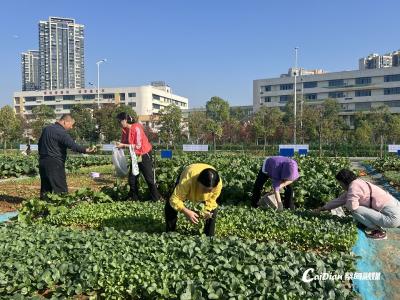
358,194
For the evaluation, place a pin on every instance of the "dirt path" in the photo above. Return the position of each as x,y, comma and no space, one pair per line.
14,192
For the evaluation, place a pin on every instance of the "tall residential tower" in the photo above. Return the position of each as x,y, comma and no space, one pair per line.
61,54
30,70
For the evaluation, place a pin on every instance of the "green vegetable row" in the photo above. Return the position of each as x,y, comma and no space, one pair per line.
317,183
387,163
62,262
17,166
299,229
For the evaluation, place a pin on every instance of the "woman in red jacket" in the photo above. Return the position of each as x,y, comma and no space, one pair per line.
133,134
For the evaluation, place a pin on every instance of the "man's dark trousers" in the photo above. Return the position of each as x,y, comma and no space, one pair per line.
52,176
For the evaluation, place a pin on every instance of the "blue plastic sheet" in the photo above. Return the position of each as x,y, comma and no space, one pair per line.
6,216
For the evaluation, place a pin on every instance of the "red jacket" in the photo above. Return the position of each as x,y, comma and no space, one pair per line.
136,136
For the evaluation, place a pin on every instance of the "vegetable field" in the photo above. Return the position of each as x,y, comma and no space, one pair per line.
97,245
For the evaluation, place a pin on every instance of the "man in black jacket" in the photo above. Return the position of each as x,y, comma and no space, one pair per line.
53,145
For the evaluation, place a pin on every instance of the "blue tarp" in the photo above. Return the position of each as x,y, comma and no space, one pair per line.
6,216
375,254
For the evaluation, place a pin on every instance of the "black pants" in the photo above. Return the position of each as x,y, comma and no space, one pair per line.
171,217
52,176
146,168
288,196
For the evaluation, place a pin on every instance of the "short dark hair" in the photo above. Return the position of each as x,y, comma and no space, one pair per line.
125,116
209,178
67,117
346,176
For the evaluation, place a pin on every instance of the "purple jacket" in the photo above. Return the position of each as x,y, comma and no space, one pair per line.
280,168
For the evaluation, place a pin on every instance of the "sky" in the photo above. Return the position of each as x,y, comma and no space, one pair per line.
203,48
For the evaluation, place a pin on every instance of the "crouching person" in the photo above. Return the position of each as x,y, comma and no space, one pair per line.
371,206
283,171
199,183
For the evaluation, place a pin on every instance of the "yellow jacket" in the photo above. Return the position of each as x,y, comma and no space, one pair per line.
188,189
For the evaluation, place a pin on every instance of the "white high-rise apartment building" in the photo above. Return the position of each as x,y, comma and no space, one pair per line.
375,61
61,54
30,70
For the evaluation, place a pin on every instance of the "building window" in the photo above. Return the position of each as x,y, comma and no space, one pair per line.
362,106
267,99
311,96
392,91
363,93
310,84
389,78
156,106
67,106
133,104
88,97
363,80
335,83
108,96
336,95
156,97
69,97
30,99
266,88
285,98
49,98
122,96
28,108
393,103
284,87
131,95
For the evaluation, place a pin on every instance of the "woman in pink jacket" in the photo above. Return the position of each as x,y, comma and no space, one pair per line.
369,204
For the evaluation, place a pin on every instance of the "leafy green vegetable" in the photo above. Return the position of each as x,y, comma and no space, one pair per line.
111,264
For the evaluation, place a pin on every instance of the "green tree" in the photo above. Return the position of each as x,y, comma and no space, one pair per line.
394,131
231,130
215,129
85,129
266,121
380,119
196,124
10,126
323,124
43,115
217,112
217,109
107,122
335,126
363,133
169,120
288,120
238,113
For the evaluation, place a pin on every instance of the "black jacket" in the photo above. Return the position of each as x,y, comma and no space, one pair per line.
55,141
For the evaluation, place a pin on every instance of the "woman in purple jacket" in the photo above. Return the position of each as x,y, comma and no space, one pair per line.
283,171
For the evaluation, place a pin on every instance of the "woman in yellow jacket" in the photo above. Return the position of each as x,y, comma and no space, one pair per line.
198,183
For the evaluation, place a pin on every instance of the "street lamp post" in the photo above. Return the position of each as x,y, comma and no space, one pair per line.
301,110
98,80
295,96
